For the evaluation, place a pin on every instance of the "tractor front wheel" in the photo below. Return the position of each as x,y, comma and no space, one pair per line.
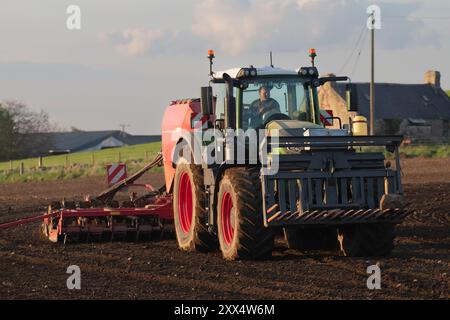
241,230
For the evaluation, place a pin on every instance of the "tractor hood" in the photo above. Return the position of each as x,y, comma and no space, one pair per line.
296,128
289,128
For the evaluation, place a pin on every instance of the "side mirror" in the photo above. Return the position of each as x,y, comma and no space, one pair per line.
351,96
206,100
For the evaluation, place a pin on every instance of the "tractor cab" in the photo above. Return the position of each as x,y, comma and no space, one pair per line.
267,97
257,96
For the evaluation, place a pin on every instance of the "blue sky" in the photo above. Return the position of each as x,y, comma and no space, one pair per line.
131,58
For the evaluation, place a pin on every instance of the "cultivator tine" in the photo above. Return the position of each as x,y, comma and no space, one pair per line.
351,217
336,214
347,213
310,215
137,231
325,215
274,216
367,214
339,216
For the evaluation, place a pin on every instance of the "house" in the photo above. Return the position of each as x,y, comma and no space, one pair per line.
420,112
76,141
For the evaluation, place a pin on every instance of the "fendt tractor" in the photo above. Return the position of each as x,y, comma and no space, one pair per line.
321,187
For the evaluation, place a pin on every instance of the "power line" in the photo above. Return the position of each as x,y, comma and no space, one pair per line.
361,48
354,49
415,18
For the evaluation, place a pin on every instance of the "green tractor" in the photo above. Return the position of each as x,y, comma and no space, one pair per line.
316,185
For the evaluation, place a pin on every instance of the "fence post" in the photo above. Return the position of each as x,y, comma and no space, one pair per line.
40,162
67,160
146,156
10,165
93,159
21,169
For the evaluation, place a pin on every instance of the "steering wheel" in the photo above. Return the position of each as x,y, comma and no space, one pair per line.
274,115
260,121
278,85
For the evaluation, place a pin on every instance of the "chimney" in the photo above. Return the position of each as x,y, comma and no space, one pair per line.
433,78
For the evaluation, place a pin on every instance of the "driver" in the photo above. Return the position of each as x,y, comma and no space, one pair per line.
264,103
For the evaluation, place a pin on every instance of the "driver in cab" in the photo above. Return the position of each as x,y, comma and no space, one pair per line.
264,104
261,106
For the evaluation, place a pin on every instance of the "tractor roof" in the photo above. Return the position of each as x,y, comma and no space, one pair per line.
264,71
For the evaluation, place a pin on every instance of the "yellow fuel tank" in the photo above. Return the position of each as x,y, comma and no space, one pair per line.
359,126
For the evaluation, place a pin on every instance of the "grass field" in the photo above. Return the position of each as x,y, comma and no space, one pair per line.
93,163
418,151
79,164
136,153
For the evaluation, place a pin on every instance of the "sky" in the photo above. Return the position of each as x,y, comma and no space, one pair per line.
131,58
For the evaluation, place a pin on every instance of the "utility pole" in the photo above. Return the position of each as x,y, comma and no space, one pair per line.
123,126
372,80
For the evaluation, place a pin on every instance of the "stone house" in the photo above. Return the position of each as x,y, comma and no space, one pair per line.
420,112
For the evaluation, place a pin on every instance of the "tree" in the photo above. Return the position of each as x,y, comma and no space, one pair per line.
27,138
7,149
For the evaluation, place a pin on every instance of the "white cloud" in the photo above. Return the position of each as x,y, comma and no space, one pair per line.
291,25
134,42
236,25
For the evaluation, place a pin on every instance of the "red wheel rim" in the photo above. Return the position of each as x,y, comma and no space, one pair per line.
227,225
185,202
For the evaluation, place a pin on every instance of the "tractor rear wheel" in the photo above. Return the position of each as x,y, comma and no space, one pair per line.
241,230
310,238
189,209
366,240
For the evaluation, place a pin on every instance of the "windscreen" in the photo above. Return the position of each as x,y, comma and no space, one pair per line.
264,99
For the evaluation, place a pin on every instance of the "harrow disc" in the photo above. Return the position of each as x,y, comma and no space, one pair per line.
87,221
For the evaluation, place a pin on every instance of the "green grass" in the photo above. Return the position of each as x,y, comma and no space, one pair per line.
80,164
135,153
448,92
426,151
417,151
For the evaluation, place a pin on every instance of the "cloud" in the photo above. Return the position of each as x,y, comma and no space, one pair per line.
234,26
253,26
135,42
291,25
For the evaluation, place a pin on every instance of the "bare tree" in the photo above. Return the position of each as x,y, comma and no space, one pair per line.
7,150
29,128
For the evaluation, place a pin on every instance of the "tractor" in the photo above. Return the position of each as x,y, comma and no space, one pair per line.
249,160
328,188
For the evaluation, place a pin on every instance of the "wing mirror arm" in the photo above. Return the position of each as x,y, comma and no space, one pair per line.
321,81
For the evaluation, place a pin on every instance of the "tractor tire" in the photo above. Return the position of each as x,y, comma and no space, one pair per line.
315,238
189,199
241,230
366,240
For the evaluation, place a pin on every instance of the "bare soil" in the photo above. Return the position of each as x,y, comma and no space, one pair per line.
32,268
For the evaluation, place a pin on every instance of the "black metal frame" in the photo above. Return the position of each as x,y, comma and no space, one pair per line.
327,182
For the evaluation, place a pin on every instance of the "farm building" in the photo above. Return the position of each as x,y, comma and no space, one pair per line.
63,142
420,112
